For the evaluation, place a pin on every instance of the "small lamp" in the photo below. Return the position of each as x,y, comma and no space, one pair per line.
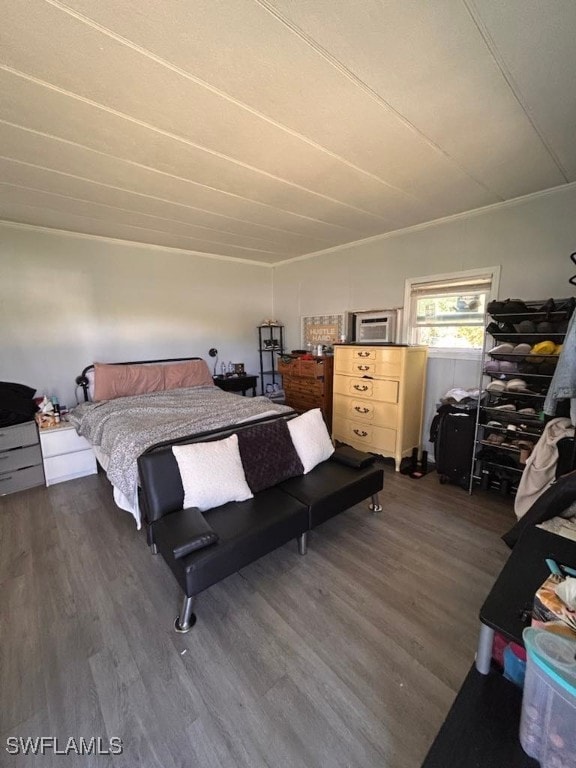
213,352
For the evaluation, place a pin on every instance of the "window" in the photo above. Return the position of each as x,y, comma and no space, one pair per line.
446,312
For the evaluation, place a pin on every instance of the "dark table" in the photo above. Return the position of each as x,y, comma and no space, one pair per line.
481,729
237,383
507,607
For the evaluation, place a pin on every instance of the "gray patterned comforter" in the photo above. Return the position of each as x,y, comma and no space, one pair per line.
126,427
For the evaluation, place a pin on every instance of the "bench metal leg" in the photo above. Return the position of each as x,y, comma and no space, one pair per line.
484,652
187,618
375,506
150,540
303,543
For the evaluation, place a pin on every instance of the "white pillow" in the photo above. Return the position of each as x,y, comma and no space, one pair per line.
311,439
212,473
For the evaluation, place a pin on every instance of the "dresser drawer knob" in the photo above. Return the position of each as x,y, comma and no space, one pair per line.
360,433
363,367
363,354
360,409
360,387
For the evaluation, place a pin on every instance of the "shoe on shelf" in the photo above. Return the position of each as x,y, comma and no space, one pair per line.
505,407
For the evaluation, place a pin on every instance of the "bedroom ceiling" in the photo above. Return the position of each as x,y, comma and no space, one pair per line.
268,129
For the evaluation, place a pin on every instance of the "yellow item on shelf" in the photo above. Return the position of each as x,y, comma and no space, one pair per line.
542,348
558,349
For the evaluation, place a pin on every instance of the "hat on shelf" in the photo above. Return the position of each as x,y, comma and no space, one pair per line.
516,385
492,366
506,366
522,349
496,328
496,386
502,349
547,367
543,348
526,326
507,307
545,327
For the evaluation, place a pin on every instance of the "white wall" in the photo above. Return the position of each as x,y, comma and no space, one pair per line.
531,239
66,301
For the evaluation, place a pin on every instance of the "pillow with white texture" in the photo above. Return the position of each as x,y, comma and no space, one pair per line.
311,439
212,473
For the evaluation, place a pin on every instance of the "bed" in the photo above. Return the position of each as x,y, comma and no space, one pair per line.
131,407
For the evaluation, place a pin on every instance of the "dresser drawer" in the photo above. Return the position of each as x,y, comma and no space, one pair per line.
20,479
383,414
18,435
369,362
20,458
372,389
56,442
288,367
308,369
367,436
313,388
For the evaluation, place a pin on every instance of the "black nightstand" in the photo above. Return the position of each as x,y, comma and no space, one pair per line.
237,383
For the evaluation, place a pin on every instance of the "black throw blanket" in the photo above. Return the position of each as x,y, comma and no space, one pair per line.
16,403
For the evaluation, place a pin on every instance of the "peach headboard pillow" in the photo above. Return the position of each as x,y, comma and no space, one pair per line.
111,381
191,373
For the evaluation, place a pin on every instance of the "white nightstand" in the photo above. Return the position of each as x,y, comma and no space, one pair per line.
65,454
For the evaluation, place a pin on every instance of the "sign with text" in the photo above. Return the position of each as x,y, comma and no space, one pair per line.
321,329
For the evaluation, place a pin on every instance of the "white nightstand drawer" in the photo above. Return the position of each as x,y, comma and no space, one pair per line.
69,466
56,442
20,458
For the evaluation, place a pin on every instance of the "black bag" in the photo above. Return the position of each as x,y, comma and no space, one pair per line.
452,432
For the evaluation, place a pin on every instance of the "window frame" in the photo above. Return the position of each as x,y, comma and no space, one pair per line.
408,329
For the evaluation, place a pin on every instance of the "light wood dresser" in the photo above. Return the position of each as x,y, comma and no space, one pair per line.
379,398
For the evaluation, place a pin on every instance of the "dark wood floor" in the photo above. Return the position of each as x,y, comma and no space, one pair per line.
350,656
